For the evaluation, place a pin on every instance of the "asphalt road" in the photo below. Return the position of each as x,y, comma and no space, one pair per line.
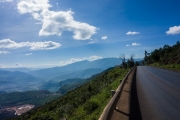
158,93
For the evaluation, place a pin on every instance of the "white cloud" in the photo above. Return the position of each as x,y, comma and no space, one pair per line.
47,45
32,6
104,37
28,54
173,30
132,33
4,52
2,66
54,23
135,44
93,41
73,60
18,65
6,0
92,58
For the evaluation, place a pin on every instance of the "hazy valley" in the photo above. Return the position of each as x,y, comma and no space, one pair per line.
41,86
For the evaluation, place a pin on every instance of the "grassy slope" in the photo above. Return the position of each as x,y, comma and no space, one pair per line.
174,67
84,103
36,97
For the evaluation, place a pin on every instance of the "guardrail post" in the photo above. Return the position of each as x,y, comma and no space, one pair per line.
120,81
113,92
108,110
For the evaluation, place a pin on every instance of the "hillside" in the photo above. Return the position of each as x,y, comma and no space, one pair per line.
17,81
63,86
79,74
70,84
20,69
83,103
35,98
166,57
73,68
70,79
11,81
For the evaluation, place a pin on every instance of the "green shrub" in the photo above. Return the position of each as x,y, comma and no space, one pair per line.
90,106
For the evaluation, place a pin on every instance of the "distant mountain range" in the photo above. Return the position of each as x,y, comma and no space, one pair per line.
17,81
76,67
20,69
50,77
85,101
80,70
40,86
40,79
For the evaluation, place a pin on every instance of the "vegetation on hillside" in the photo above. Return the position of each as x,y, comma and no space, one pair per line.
17,81
83,103
35,97
165,57
128,63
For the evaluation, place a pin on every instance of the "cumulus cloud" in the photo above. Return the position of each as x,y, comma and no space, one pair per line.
73,60
132,33
104,37
4,52
6,0
28,54
173,30
47,45
32,6
92,58
54,23
135,44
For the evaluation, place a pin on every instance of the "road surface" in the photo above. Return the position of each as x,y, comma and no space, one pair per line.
158,93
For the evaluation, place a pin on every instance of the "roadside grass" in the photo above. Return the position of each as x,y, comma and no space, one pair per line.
93,108
174,67
86,102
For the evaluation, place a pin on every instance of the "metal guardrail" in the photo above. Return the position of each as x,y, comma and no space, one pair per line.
108,111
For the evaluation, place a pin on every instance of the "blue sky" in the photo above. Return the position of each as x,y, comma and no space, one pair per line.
47,33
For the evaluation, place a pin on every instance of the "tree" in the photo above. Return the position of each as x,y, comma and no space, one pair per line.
155,55
130,62
123,59
145,53
136,63
146,57
165,55
122,56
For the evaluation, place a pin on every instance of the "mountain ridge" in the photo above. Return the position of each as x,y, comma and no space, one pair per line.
49,73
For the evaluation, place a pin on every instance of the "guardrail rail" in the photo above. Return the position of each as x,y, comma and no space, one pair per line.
111,106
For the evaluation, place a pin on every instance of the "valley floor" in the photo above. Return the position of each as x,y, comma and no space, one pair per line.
9,112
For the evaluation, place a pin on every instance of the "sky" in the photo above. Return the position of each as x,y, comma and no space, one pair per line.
48,33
